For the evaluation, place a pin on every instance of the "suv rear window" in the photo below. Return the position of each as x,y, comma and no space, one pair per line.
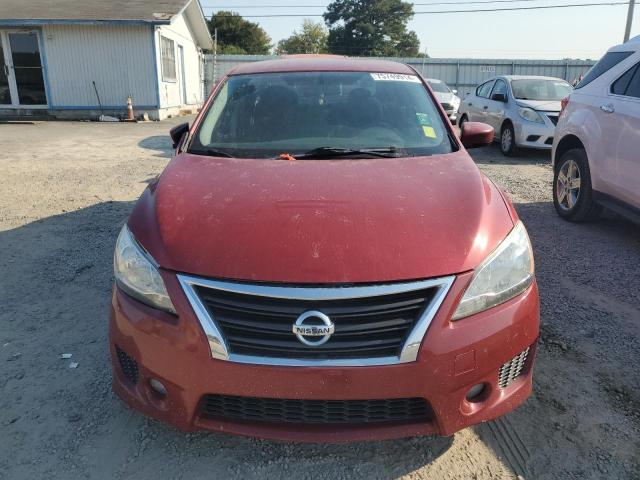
606,63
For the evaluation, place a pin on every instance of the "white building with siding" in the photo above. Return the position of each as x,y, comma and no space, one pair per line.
84,58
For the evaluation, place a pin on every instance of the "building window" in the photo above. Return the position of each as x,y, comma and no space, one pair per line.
168,56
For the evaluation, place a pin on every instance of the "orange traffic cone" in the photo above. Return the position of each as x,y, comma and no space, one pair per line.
130,116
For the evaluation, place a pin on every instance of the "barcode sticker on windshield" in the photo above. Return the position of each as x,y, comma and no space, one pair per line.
394,77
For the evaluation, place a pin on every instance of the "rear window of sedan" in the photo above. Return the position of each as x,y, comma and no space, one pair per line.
265,115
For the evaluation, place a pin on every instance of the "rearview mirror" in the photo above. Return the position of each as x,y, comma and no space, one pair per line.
178,132
476,134
499,97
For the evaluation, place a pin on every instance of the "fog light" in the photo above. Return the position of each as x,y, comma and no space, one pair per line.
475,392
158,387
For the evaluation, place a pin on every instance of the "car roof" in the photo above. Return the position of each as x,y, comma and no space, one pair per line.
632,45
529,77
321,63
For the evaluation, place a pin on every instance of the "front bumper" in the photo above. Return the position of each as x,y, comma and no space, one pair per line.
534,135
454,356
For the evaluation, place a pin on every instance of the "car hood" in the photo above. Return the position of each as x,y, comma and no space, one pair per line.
445,97
541,105
324,221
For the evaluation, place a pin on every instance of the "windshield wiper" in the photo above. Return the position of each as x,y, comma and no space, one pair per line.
335,152
211,152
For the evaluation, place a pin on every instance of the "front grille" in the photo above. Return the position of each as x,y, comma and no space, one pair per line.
275,410
128,366
447,106
260,326
510,370
553,118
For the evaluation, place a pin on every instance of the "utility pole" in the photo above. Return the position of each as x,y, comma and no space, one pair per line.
627,31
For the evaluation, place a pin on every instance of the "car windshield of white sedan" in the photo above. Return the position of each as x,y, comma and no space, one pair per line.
542,90
322,115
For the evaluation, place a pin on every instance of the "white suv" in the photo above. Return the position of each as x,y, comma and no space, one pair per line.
596,150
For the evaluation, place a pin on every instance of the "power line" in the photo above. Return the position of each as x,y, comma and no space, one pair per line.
437,12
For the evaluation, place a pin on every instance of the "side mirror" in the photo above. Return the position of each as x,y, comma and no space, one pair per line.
454,91
178,132
476,134
499,97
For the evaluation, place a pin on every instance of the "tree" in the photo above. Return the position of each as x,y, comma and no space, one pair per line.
312,39
238,36
371,28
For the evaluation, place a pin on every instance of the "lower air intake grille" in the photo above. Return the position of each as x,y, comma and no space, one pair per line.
315,411
128,366
510,370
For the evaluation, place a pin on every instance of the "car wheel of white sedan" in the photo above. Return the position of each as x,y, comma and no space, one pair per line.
508,140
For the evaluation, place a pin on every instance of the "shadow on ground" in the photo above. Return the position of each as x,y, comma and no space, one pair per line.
159,144
492,155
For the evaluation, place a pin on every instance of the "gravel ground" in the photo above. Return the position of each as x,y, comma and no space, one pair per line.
65,190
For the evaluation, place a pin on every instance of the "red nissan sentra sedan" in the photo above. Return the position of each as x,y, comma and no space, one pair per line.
323,261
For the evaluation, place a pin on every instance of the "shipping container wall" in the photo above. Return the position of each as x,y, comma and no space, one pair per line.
118,58
461,74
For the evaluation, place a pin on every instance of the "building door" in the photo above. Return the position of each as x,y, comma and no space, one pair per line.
21,78
183,77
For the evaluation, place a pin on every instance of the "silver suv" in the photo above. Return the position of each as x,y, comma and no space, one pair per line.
523,110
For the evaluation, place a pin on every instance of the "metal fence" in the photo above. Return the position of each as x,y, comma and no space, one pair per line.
462,74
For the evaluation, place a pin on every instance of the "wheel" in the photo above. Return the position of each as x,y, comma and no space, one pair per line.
572,192
508,140
462,121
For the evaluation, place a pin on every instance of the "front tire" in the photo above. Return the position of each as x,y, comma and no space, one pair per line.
572,191
462,121
508,140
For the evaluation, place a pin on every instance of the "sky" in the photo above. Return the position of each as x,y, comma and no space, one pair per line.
584,33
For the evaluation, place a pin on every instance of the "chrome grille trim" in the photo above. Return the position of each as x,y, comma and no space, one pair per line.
512,369
220,351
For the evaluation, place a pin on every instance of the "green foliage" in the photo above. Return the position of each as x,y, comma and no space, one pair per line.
312,39
237,36
371,28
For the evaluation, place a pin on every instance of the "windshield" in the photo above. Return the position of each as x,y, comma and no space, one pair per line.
544,90
270,114
439,87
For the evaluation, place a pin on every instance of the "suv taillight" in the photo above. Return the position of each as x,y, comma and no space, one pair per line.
563,104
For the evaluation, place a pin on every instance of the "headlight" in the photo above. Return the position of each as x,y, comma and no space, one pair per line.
137,273
530,114
507,272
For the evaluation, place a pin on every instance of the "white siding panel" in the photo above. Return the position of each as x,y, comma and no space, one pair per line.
119,58
179,32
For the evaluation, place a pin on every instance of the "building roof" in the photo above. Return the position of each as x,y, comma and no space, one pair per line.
97,12
314,63
153,11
